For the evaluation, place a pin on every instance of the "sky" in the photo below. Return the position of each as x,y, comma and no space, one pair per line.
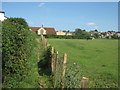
102,16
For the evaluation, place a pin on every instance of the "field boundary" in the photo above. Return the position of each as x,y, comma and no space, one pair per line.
54,64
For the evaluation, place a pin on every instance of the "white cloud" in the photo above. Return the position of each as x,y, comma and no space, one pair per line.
91,23
41,4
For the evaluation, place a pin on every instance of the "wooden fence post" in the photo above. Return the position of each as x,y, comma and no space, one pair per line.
56,61
63,70
41,37
52,60
56,67
45,43
84,82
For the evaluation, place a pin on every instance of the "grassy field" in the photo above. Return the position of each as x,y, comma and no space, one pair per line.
98,59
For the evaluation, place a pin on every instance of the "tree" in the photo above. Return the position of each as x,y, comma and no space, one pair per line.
96,30
96,35
78,31
111,31
81,33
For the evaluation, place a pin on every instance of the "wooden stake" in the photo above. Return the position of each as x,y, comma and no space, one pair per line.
84,82
41,37
45,43
63,70
56,67
52,60
56,61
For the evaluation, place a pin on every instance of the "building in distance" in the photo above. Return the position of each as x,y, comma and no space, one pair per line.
2,16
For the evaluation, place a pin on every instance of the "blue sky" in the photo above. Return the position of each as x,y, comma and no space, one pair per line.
66,15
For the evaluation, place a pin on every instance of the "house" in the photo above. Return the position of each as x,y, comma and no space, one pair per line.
43,30
64,33
2,16
118,34
60,33
69,33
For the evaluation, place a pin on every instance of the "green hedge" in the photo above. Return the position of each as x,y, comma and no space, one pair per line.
18,54
67,36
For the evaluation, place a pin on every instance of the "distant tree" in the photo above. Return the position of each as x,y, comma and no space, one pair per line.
81,33
64,31
96,35
111,31
68,31
96,30
84,30
78,31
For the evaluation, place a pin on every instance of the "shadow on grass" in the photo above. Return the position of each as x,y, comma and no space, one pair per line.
44,63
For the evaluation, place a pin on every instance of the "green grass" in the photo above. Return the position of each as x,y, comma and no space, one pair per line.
45,78
35,77
98,59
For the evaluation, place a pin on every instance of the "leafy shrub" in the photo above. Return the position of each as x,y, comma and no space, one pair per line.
14,49
18,52
83,36
115,36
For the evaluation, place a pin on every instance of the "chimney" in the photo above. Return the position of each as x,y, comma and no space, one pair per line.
42,25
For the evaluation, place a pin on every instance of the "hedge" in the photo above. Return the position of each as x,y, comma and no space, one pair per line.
18,59
67,36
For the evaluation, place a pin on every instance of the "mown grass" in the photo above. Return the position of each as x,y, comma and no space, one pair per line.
98,59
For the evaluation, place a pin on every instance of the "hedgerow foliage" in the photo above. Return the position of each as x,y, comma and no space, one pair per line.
68,36
14,52
18,44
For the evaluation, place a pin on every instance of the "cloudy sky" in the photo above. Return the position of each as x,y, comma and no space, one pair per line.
66,15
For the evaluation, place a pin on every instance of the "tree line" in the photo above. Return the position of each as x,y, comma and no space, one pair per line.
81,34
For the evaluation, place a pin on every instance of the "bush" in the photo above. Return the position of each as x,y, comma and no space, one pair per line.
84,36
14,49
115,36
18,45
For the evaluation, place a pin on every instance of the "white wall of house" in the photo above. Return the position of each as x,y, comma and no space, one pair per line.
2,16
41,31
68,33
118,34
61,33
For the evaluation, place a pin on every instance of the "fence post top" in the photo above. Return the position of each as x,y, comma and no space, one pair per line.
65,54
84,78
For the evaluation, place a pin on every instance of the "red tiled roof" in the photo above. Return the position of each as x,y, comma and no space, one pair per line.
34,28
49,30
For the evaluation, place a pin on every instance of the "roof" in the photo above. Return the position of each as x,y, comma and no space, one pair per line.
2,12
34,28
49,30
